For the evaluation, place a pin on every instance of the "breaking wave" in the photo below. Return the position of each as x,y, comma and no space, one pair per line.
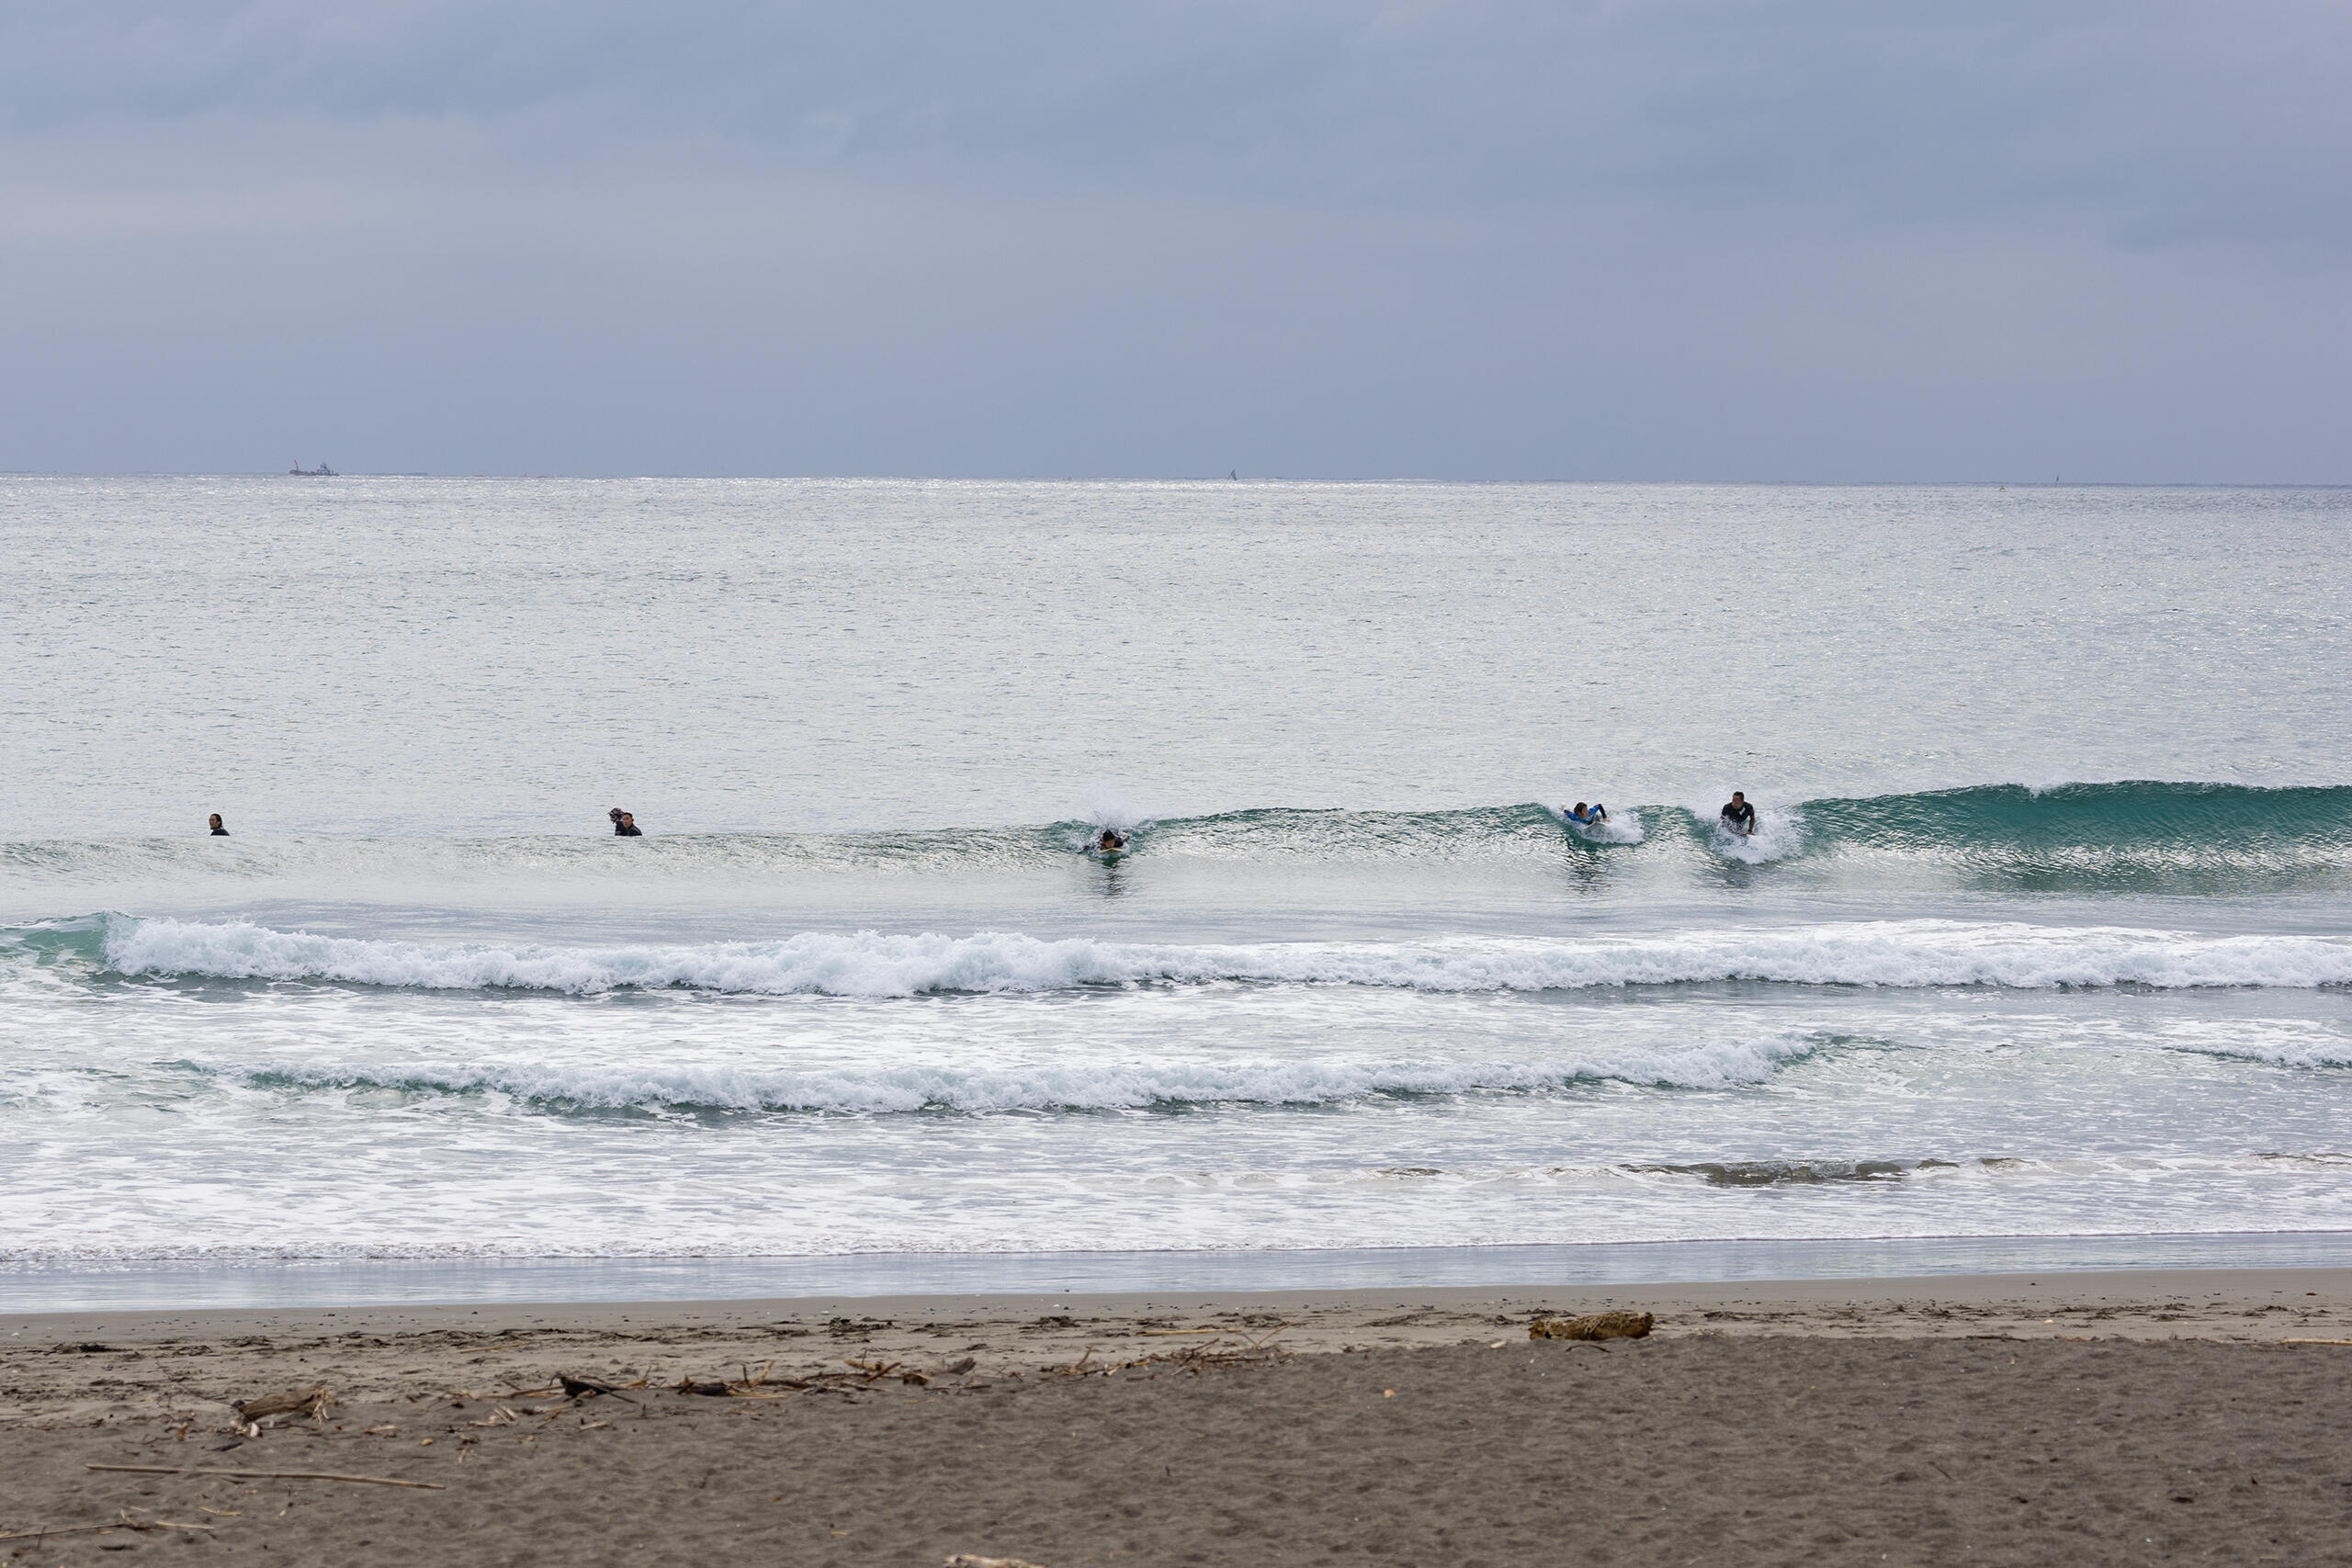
2133,836
872,963
1087,1087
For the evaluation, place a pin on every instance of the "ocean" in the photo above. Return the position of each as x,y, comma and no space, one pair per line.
2046,930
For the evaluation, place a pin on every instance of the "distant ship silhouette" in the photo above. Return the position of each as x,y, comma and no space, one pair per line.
321,472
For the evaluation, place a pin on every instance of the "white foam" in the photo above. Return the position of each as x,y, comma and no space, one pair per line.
2282,1045
1780,833
871,964
1625,828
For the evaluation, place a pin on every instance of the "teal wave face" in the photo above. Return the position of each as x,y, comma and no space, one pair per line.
2132,837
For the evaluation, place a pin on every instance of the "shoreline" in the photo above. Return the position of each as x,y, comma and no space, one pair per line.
168,1285
148,1352
2092,1417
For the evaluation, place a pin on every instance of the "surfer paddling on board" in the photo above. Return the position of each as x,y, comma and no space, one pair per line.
1738,816
1587,816
1110,842
625,824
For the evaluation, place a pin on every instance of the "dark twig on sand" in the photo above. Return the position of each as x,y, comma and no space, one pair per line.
1189,1358
124,1523
268,1475
751,1386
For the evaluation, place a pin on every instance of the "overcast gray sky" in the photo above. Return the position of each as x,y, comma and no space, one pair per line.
1624,238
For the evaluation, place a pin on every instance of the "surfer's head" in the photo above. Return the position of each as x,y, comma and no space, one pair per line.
1739,797
616,814
213,820
1580,808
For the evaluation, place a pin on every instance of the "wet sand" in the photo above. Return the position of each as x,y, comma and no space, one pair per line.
2139,1417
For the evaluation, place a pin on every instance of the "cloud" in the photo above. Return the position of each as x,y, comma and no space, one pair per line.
1341,237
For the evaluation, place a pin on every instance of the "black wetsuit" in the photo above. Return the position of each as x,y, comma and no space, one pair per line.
1740,818
219,832
628,830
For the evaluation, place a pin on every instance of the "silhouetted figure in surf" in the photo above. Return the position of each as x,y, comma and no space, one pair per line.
625,824
1585,816
217,830
1111,841
1738,816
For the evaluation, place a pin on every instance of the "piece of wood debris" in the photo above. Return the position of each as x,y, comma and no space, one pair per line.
268,1475
293,1402
1593,1326
124,1523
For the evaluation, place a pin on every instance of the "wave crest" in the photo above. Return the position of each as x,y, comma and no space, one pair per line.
874,964
1099,1087
2146,836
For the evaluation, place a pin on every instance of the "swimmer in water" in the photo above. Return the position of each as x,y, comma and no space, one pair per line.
1738,816
1112,841
1589,815
217,830
625,824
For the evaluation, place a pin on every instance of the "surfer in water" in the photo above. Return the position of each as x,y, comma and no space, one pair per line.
217,830
1738,816
1587,816
1111,841
625,824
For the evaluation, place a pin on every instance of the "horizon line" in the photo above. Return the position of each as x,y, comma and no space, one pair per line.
624,478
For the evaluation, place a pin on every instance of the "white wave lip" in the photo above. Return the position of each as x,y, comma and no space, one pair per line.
871,964
1779,835
1103,1086
1623,829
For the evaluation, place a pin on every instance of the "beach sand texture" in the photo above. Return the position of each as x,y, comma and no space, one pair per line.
2082,1418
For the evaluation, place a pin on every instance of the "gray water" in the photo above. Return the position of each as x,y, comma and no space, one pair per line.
2043,933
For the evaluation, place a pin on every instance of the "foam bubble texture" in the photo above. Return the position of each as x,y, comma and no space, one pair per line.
872,963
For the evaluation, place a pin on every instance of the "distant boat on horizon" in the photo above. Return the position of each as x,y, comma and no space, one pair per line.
321,472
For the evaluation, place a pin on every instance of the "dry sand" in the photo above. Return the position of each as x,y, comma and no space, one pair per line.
2062,1418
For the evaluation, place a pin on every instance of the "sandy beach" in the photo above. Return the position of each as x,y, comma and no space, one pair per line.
2128,1417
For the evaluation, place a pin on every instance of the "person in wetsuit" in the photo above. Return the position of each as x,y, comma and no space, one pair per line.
625,824
1588,815
1111,841
1738,816
217,830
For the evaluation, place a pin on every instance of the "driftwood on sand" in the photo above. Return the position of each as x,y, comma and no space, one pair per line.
268,1475
1593,1326
124,1523
293,1402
